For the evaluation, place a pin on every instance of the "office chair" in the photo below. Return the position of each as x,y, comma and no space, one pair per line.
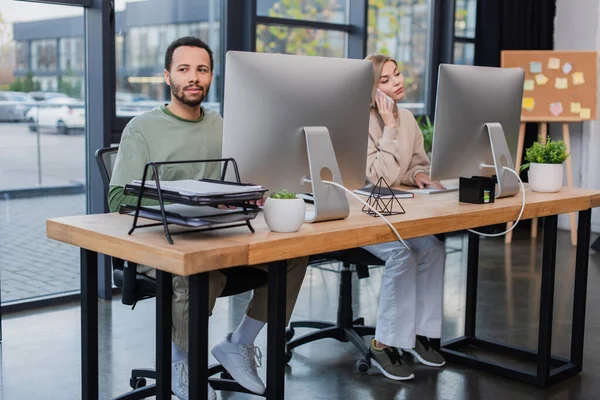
346,328
596,245
136,287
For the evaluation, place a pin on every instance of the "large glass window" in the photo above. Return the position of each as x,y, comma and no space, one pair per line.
42,147
309,10
140,48
400,29
71,54
303,41
43,55
274,36
464,31
22,55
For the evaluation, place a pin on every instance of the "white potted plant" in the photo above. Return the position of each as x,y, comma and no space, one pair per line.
545,163
284,212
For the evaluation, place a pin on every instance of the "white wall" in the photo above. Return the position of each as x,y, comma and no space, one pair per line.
577,27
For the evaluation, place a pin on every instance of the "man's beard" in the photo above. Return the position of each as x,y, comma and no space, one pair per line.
184,100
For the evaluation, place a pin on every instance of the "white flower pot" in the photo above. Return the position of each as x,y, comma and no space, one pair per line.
546,178
284,215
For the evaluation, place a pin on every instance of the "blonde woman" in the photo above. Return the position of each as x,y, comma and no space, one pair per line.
410,303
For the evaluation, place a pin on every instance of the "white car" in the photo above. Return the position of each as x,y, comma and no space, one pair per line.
62,114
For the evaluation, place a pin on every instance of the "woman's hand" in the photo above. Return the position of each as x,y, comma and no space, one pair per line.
422,180
386,109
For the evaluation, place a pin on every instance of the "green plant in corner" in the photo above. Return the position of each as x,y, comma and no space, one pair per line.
551,152
427,129
283,194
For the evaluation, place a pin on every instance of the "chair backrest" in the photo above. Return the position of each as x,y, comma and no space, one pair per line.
105,158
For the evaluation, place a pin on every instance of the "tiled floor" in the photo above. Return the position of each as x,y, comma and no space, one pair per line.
40,350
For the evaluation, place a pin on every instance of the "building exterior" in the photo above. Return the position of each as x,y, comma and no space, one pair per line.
52,51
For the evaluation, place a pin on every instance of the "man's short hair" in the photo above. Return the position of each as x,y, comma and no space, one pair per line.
187,41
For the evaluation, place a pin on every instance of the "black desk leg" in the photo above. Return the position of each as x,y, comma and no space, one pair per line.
276,331
547,300
164,294
580,289
472,269
198,341
89,324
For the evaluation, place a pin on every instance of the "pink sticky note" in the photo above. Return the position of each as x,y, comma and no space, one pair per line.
556,108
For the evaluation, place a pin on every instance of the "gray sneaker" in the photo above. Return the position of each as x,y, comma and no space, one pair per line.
389,362
425,353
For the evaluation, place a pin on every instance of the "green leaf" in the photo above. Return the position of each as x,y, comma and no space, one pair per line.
551,152
283,194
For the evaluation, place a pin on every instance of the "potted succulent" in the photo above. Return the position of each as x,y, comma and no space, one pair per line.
284,212
545,163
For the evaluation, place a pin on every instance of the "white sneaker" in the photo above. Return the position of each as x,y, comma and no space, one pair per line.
240,361
179,382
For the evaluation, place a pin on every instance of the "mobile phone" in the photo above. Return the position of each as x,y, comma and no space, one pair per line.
388,99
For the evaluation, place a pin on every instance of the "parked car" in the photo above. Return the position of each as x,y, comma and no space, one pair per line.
14,106
42,96
63,114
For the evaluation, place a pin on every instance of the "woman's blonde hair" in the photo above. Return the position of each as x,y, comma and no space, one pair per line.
378,60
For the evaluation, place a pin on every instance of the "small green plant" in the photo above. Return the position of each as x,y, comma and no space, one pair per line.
283,194
551,152
427,129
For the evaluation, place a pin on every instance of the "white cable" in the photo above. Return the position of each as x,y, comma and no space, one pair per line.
520,214
373,209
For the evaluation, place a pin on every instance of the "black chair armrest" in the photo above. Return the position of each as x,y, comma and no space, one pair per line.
125,276
362,271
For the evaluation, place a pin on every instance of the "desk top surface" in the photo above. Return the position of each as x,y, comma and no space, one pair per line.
199,252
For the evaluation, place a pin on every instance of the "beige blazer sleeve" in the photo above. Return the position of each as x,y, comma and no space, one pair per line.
419,162
382,154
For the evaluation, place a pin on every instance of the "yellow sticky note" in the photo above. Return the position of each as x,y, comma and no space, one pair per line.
578,78
561,83
576,108
585,113
528,85
541,79
528,103
554,63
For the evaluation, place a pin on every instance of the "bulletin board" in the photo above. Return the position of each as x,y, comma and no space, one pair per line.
560,86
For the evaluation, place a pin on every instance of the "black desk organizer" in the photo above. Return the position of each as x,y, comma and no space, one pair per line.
227,219
477,190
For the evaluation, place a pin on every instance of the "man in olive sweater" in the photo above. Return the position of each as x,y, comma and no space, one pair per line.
184,130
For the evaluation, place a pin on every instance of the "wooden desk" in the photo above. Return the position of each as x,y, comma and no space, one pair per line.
196,254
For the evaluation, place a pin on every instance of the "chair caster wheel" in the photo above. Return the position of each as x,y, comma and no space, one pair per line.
289,334
288,356
363,366
137,383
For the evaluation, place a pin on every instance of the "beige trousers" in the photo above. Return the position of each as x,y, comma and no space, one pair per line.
257,308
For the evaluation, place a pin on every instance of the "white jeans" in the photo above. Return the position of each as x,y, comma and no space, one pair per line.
410,302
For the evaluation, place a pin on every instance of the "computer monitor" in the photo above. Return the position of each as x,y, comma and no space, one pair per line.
270,98
477,117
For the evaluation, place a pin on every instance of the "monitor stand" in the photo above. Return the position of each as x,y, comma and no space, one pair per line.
330,202
508,185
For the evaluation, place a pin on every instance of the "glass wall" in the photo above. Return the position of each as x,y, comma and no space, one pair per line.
464,31
144,30
44,55
334,11
400,29
277,38
42,146
303,41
